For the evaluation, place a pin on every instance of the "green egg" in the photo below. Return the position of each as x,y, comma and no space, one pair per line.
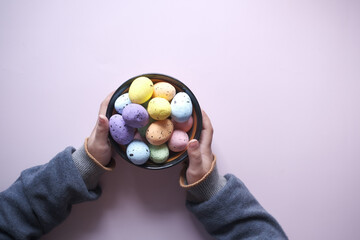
159,154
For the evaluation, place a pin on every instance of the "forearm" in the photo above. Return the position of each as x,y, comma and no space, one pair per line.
42,196
230,212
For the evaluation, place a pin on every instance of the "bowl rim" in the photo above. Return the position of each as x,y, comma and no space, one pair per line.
196,110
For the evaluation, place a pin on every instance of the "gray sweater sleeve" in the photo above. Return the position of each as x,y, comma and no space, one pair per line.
42,197
228,210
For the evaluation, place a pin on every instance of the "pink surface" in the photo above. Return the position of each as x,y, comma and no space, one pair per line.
280,81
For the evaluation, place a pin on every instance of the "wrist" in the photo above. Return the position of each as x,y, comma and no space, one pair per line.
99,154
90,169
202,190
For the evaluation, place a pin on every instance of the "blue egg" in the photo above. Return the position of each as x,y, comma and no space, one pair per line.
181,107
138,152
121,102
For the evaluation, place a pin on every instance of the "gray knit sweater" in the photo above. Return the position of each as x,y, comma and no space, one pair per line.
41,198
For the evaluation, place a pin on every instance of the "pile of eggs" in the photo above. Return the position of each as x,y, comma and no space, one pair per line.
152,120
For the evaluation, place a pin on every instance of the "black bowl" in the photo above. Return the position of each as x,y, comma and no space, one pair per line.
194,132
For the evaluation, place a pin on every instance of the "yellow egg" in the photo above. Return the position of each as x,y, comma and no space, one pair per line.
141,90
164,90
159,108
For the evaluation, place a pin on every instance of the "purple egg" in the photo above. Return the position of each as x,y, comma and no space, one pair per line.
135,115
120,132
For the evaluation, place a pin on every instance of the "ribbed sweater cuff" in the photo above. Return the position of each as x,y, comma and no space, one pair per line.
207,187
90,169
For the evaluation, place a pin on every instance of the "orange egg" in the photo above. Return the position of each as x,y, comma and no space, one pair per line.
159,132
164,90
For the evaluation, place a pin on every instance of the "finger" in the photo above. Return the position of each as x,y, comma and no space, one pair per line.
105,103
207,131
194,154
102,129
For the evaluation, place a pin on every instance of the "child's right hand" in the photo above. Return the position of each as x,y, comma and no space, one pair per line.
200,153
98,143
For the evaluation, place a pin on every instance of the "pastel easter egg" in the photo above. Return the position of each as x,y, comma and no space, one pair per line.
159,132
138,152
159,108
184,126
120,132
159,154
135,115
121,102
164,90
141,90
181,107
178,141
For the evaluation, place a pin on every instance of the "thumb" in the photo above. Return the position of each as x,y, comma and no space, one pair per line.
194,154
102,128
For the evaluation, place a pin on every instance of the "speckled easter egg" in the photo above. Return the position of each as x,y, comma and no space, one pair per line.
159,108
138,152
181,107
184,126
159,154
120,132
164,90
141,90
159,132
121,102
135,115
178,141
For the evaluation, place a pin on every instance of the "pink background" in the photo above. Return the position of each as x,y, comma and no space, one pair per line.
279,80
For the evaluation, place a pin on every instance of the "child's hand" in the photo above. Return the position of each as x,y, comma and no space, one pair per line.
98,143
200,154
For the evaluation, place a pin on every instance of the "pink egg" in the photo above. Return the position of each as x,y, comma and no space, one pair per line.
178,141
184,126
